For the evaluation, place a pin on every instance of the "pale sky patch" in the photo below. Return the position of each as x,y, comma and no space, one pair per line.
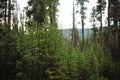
66,11
22,3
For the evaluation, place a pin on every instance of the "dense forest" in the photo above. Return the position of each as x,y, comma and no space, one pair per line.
32,47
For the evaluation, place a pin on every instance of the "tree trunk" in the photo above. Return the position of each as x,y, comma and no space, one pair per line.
101,21
73,30
82,32
108,23
101,25
9,12
116,39
5,11
52,13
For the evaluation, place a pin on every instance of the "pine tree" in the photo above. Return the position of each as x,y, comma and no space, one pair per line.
93,20
100,8
82,12
42,10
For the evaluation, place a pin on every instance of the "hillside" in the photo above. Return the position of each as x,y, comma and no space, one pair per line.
67,32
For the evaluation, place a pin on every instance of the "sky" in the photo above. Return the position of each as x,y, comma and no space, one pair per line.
65,13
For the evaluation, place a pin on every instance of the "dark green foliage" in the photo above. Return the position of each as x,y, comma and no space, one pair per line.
43,54
32,55
8,54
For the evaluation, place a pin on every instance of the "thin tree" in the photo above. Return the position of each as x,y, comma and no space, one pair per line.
74,30
100,8
82,12
108,23
93,20
5,10
9,12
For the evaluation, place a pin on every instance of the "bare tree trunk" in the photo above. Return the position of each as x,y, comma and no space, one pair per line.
9,12
74,31
101,24
101,21
82,32
5,11
108,23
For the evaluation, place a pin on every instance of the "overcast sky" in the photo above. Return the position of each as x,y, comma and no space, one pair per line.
65,13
